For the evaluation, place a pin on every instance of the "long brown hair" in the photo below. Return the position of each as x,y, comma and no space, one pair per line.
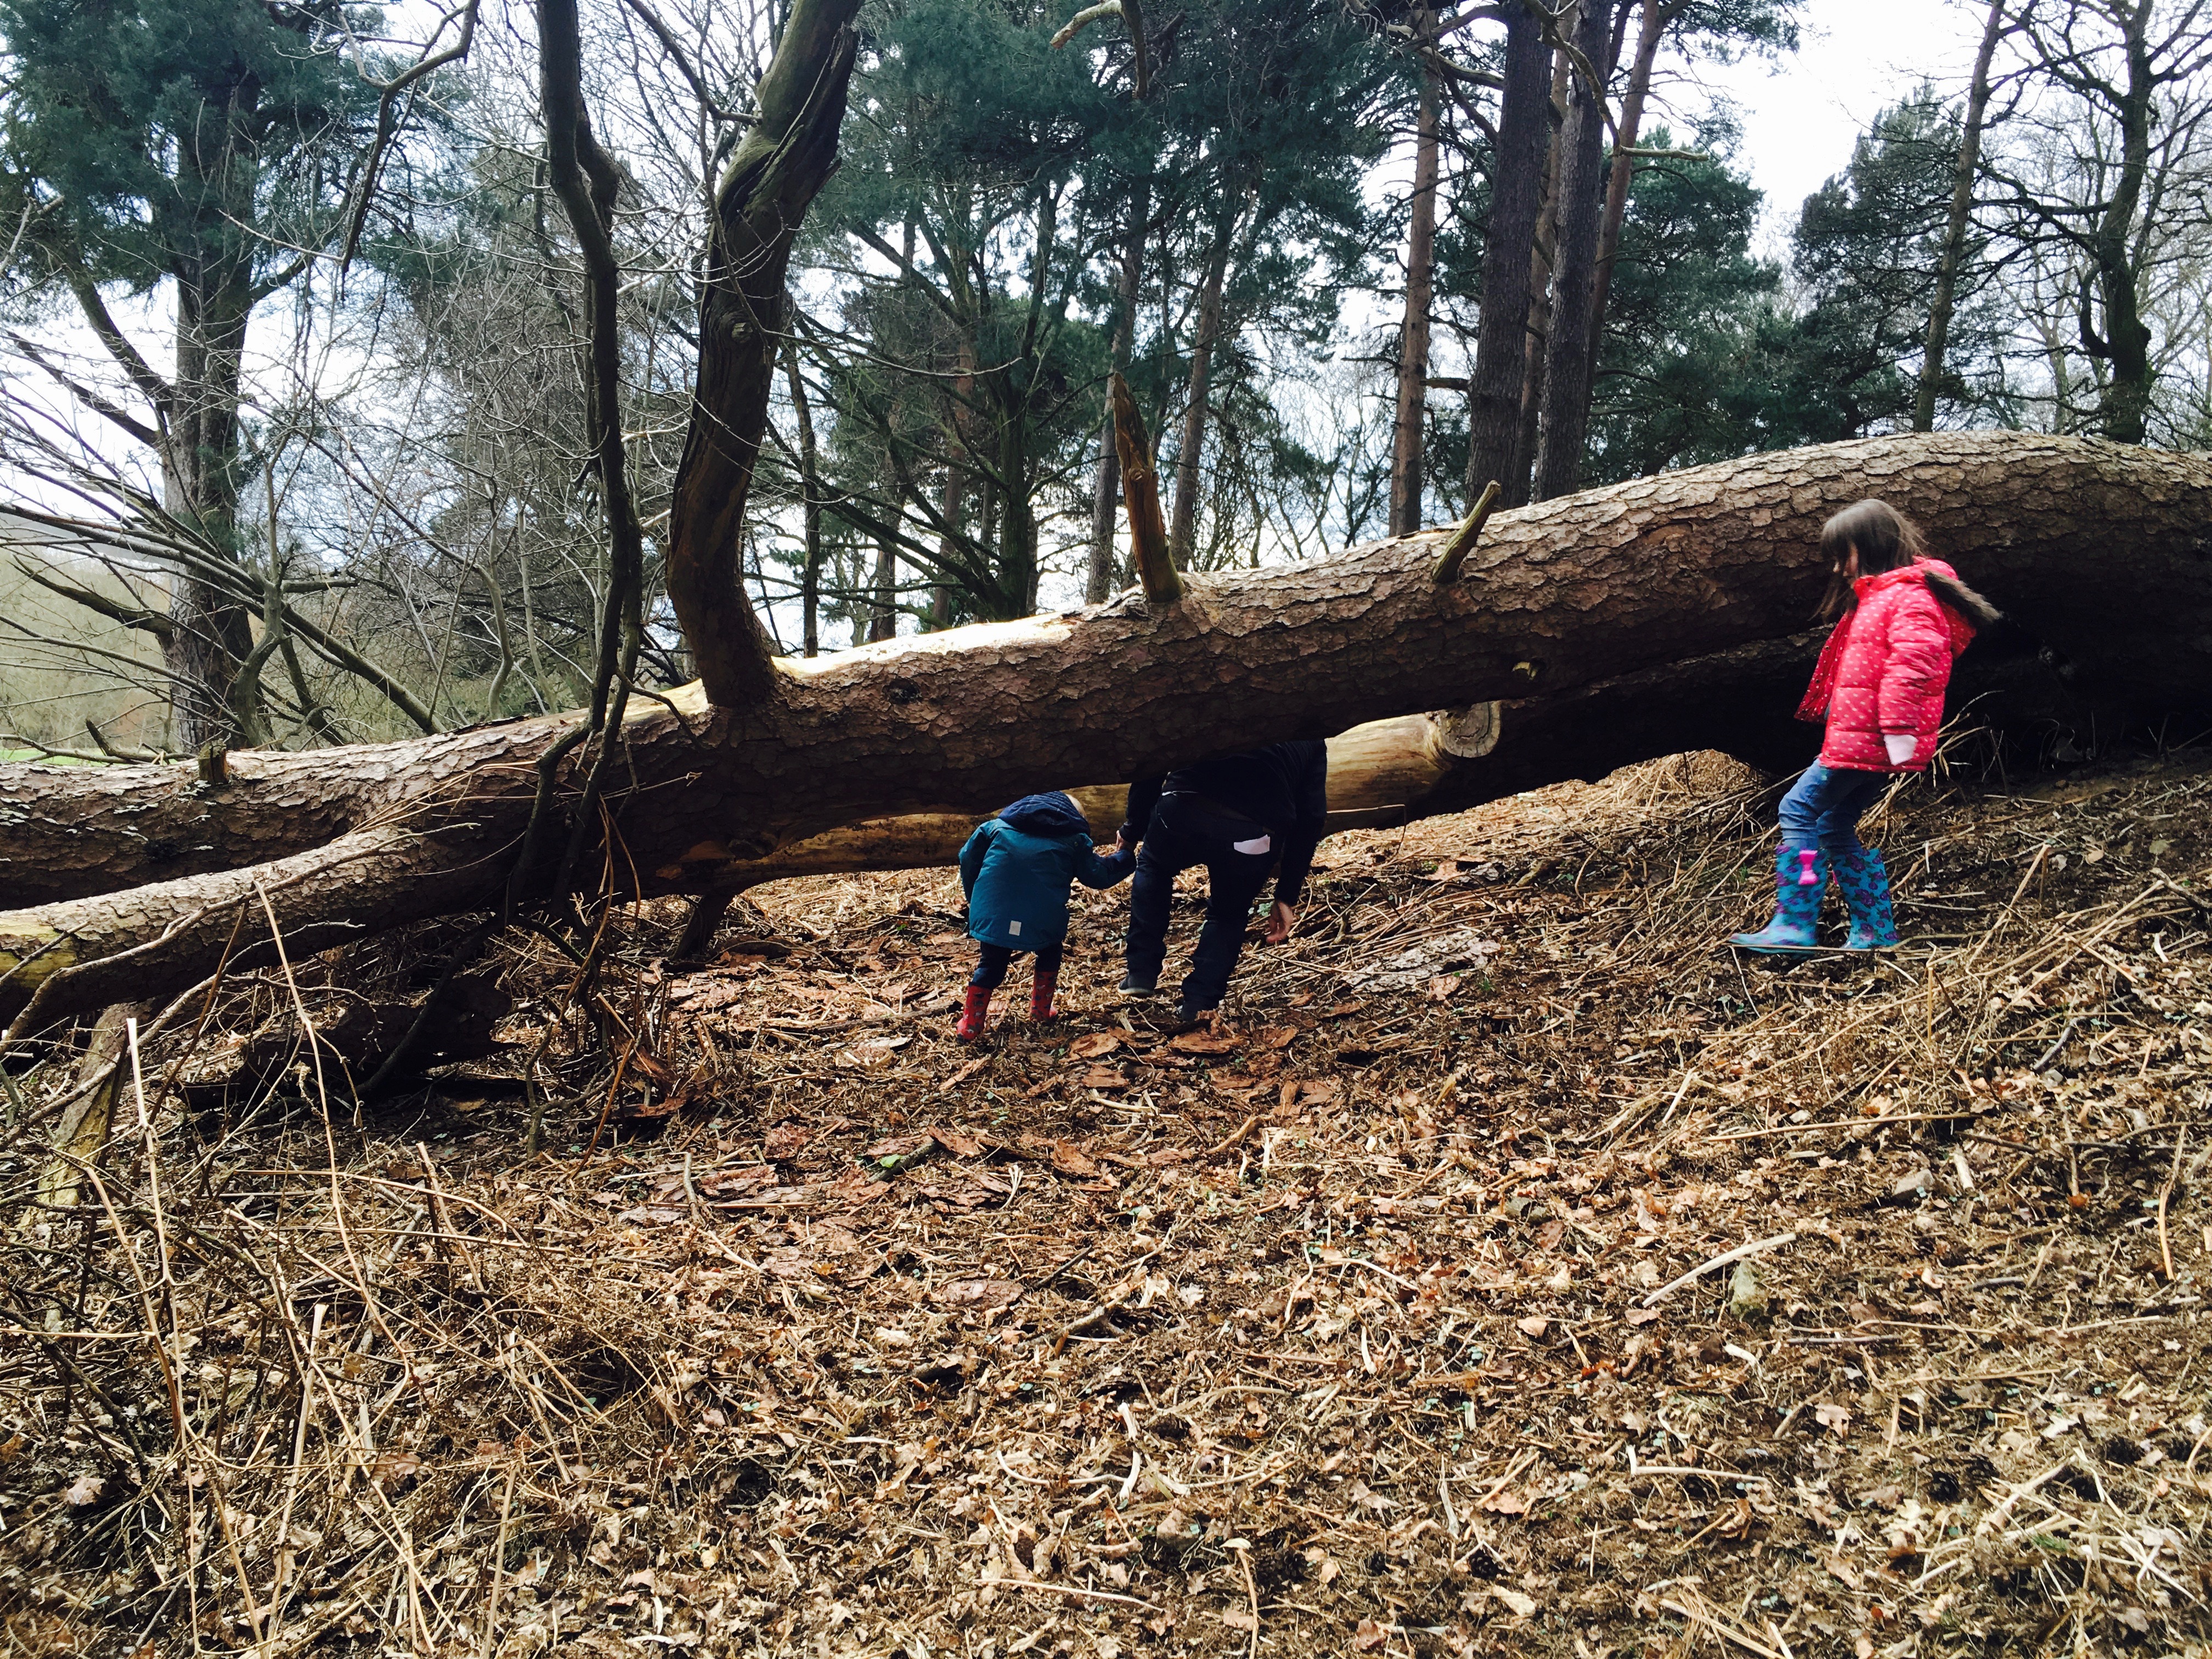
1885,539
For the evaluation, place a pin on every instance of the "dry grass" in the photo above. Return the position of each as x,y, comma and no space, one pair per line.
1345,1328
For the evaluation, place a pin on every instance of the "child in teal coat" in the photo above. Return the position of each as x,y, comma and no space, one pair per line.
1017,869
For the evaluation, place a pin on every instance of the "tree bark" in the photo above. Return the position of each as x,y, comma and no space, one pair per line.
1652,30
1562,422
1183,525
1411,426
2094,549
1542,266
1516,196
883,585
809,511
782,161
212,634
1954,228
1106,498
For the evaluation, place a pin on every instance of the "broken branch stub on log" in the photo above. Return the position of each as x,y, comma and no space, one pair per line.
1464,538
2095,549
1141,490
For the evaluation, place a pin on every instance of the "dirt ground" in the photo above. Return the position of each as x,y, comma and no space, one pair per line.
1512,1271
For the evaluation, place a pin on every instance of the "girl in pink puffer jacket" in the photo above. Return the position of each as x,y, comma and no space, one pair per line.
1880,687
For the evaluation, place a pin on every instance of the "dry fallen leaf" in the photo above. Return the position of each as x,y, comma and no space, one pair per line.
1205,1042
1832,1416
1070,1159
394,1465
83,1491
1521,1606
1534,1325
1091,1044
785,1142
1276,1036
977,1294
1367,1636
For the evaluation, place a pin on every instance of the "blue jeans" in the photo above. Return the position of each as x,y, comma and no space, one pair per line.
1233,880
1823,807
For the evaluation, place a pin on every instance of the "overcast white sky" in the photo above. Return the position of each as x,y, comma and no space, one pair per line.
1802,112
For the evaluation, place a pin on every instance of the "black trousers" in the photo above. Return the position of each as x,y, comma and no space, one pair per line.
1174,842
991,961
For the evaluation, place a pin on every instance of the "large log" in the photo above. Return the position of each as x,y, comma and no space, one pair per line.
2101,551
1416,766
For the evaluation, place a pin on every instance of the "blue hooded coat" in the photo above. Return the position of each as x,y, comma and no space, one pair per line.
1016,868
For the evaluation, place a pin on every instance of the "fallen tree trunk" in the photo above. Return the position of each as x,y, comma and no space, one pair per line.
1416,766
2101,551
1387,773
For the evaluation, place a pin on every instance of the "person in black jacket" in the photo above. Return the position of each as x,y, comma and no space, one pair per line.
1236,814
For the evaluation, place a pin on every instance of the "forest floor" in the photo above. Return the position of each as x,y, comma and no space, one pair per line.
1371,1322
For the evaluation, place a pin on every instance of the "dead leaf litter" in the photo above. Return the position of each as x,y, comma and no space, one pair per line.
1507,1271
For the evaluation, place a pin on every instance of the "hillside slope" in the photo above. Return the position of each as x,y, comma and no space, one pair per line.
1359,1324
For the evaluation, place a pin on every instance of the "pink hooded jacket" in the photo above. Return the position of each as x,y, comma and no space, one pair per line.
1885,669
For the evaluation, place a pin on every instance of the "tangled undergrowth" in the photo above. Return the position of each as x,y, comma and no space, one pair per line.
1511,1271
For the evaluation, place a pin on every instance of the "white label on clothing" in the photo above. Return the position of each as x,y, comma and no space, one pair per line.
1263,845
1015,928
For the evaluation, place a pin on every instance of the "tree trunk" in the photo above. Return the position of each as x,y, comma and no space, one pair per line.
809,511
200,473
1182,525
1954,228
762,196
1562,421
1652,30
1106,498
953,507
1516,200
2094,549
883,587
1542,265
1394,771
2126,345
1412,428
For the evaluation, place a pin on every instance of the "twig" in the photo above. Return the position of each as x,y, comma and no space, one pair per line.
1875,1122
2165,1247
2051,1053
1252,1589
1705,1616
1075,1590
1720,1260
1235,1138
1989,1522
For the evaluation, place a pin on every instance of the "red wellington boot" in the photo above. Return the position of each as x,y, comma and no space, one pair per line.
1041,990
973,1011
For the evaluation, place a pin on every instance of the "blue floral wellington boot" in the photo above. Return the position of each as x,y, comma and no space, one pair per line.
1801,876
1865,883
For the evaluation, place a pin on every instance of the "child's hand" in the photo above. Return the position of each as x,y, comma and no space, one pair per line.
1280,921
1122,843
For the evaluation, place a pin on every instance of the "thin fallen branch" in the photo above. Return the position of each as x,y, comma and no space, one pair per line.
1721,1260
